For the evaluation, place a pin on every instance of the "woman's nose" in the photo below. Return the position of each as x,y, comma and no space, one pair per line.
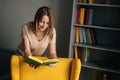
44,24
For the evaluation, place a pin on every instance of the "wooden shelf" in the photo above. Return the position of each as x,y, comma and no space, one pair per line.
98,67
99,47
98,27
97,5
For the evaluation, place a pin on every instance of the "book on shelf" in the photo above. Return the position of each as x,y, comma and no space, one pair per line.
85,1
80,34
82,15
84,54
90,21
37,62
77,38
83,35
76,51
78,16
87,36
80,53
80,1
90,1
87,14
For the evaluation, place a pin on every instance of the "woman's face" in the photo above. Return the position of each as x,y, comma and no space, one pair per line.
44,23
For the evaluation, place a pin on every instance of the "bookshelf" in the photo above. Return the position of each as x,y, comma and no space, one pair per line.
94,38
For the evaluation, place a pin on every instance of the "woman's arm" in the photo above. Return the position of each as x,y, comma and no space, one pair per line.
26,45
52,53
52,46
52,50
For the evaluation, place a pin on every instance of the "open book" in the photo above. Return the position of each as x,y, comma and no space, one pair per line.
37,62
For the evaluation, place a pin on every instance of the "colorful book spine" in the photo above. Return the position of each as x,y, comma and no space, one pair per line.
80,53
90,21
89,36
90,1
79,1
82,15
76,51
84,1
87,14
77,39
81,34
78,16
86,55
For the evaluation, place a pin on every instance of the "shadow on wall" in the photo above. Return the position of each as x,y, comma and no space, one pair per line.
64,25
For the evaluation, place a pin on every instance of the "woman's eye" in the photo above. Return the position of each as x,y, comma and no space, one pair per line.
41,21
45,22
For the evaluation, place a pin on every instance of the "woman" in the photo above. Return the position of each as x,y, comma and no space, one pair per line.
39,35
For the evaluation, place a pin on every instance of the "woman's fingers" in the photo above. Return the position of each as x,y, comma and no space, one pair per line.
34,66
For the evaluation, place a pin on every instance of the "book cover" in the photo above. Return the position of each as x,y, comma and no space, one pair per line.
77,38
78,16
76,52
87,14
90,19
87,55
90,1
80,53
84,1
37,62
79,1
83,35
80,34
87,36
82,15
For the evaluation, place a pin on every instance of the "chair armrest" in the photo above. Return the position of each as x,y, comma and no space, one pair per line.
75,70
15,67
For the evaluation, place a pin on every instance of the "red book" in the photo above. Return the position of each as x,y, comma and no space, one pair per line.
78,16
87,14
79,1
80,53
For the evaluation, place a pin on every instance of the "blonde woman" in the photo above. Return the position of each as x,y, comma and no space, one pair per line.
39,35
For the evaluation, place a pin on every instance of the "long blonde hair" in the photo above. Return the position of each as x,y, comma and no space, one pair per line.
38,16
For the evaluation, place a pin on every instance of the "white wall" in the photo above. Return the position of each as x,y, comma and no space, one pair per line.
13,13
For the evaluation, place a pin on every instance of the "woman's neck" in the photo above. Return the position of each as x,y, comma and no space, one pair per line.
39,34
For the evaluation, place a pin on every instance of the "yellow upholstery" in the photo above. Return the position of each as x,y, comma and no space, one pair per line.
66,69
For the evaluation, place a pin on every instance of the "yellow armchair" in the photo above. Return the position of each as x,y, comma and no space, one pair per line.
66,69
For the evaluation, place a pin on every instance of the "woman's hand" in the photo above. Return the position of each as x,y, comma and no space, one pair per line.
33,66
52,56
52,65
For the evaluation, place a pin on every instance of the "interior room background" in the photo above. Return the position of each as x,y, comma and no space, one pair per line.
14,13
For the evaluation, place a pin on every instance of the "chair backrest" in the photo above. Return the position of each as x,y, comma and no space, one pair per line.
66,69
